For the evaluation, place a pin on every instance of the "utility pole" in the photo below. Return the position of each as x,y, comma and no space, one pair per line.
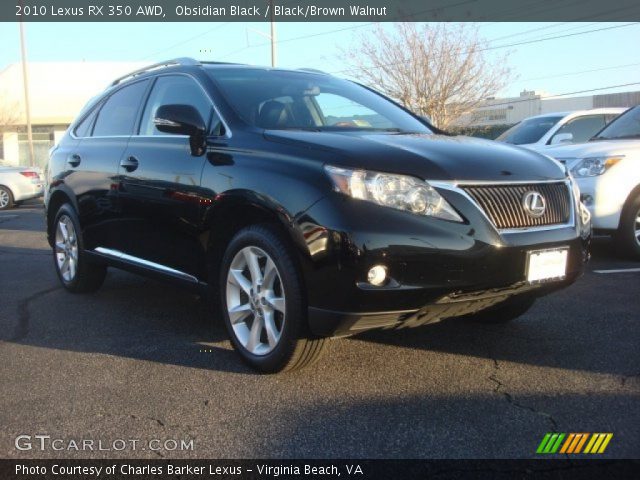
273,35
27,106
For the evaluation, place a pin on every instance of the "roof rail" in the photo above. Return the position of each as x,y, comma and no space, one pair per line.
167,63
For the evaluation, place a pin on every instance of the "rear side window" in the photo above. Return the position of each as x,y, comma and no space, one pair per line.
84,127
174,90
118,115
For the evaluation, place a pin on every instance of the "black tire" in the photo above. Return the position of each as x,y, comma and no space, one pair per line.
296,347
8,196
629,224
504,312
88,276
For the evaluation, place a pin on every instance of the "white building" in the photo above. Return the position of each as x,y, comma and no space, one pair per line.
508,111
57,91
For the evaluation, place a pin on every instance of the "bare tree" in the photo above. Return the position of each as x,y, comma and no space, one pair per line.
439,70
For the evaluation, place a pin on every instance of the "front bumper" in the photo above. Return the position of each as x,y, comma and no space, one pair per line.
336,324
439,269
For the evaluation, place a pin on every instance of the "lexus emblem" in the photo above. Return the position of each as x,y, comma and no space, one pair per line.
534,204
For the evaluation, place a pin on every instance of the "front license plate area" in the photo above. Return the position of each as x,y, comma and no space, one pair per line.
547,265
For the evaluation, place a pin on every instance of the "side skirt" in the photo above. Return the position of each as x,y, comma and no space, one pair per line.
140,266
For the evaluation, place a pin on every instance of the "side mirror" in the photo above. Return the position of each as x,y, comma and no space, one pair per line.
562,138
182,120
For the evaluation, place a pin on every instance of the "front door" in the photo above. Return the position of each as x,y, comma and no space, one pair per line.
159,194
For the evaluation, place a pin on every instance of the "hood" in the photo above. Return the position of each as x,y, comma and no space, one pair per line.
430,157
570,154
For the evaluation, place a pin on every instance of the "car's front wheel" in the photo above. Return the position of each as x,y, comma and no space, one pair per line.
75,271
263,302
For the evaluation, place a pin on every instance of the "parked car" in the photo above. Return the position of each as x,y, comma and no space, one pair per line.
307,205
607,170
543,131
18,184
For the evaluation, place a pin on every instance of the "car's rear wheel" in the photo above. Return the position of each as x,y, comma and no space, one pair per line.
628,235
504,312
6,198
75,271
263,302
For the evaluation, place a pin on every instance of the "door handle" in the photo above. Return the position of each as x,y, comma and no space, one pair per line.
74,160
129,163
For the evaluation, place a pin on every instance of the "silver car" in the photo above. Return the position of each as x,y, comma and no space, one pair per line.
18,184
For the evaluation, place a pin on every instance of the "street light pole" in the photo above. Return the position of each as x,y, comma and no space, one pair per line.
27,106
273,36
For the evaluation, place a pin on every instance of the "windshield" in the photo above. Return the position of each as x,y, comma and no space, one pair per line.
276,99
626,125
528,131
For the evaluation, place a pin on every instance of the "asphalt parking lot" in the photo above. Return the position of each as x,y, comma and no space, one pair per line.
142,360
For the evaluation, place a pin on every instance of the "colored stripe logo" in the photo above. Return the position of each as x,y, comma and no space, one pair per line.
593,443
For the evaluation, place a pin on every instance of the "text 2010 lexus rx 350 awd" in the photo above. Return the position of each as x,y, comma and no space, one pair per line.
308,205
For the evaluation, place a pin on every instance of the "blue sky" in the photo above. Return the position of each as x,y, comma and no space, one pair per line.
554,66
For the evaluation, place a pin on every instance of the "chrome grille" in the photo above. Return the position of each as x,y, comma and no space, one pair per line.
503,204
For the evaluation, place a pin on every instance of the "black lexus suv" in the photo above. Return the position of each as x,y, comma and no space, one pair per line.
308,206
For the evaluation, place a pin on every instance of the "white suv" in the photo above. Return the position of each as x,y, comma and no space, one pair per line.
607,170
543,131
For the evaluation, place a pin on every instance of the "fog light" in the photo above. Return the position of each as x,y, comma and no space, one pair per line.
377,275
586,199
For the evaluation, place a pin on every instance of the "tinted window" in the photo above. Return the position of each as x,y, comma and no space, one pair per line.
118,114
172,90
338,111
582,128
528,131
277,99
84,127
626,125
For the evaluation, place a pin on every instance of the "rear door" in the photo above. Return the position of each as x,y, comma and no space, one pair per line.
160,195
93,162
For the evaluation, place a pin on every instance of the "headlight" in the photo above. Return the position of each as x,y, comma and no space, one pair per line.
592,167
395,191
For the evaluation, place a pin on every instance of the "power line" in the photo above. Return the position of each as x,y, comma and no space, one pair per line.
526,42
301,37
190,39
568,74
351,27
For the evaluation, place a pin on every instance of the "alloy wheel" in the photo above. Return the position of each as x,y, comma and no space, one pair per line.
4,198
66,248
255,300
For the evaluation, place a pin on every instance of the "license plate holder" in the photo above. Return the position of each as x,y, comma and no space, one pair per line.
547,265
